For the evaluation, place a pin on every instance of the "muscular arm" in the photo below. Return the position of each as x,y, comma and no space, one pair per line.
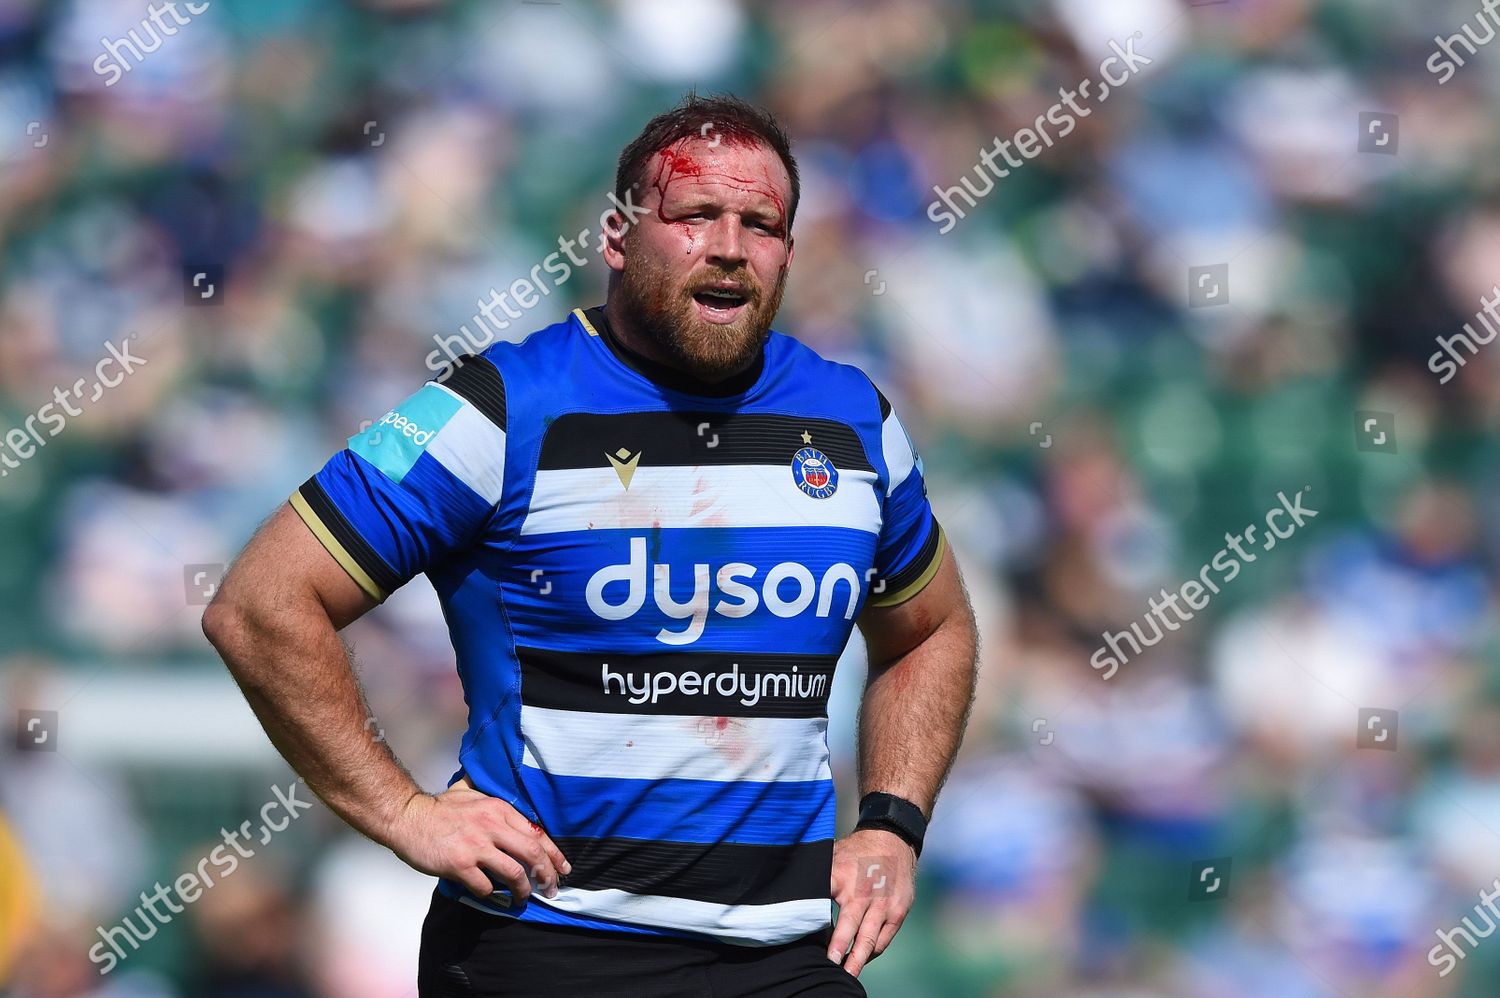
275,622
919,689
921,683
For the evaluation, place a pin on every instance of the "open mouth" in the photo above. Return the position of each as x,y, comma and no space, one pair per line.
721,303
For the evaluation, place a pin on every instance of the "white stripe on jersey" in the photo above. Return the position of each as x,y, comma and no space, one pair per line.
745,924
473,449
726,495
900,459
675,746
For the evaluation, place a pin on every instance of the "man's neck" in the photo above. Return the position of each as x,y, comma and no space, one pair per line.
628,333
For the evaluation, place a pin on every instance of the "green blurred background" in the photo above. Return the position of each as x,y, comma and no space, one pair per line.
353,178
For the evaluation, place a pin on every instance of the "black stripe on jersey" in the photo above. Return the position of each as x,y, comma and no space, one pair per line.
358,548
918,565
668,439
653,684
885,403
477,381
727,873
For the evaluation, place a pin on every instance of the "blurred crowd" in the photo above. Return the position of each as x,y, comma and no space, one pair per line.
1288,795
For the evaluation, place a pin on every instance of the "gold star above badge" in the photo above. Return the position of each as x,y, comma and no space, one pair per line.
806,437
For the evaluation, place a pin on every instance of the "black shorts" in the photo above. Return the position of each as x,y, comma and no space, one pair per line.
470,954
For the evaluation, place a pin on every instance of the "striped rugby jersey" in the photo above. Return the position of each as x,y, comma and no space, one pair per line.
648,581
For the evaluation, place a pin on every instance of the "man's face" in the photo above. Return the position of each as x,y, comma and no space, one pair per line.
702,272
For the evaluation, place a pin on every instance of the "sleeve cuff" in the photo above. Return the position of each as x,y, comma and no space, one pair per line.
914,578
328,536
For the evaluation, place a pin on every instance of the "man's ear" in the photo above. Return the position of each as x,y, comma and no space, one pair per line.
614,240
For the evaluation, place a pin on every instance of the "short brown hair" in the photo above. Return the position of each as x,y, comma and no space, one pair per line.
726,115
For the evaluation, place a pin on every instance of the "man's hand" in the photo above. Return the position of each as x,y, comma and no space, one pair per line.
462,833
874,884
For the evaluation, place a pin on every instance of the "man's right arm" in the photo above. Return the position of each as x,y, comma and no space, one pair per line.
275,620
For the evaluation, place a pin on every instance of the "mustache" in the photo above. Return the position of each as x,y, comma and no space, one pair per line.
746,284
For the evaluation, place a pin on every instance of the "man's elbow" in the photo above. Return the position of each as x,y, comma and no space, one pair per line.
239,634
235,621
224,624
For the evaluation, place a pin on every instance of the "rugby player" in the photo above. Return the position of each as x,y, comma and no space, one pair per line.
653,526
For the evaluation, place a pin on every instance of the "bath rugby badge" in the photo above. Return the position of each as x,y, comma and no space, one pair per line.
813,472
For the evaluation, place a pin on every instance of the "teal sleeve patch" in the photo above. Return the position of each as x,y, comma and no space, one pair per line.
395,441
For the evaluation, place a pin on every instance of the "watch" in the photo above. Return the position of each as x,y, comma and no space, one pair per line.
893,814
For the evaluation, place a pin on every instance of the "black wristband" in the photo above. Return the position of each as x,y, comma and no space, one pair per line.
893,814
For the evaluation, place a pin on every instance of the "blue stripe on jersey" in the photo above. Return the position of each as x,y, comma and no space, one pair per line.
907,508
683,810
409,524
819,588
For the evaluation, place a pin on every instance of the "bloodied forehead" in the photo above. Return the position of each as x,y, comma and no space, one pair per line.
734,172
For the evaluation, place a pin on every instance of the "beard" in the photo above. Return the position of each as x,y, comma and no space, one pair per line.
666,312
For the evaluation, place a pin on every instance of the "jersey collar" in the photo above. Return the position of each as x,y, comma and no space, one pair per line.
595,322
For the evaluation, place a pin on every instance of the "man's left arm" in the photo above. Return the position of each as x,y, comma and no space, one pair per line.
922,672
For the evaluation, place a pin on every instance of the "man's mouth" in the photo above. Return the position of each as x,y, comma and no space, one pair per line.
721,302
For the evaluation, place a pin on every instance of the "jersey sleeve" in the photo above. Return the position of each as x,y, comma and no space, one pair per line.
910,547
416,486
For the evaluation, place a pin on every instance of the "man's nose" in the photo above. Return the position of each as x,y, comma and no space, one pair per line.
725,245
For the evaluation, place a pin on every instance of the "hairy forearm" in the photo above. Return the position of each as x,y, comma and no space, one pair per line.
914,712
297,677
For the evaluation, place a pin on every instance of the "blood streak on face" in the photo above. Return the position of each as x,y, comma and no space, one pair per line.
677,162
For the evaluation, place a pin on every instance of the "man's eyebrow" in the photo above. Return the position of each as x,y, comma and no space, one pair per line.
694,202
769,214
690,202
